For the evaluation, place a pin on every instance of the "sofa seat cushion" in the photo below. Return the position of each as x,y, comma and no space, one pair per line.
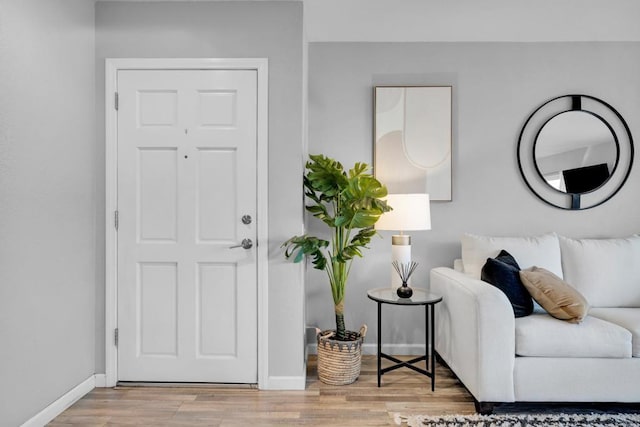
542,251
628,318
541,335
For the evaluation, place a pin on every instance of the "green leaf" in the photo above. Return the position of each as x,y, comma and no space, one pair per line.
306,246
358,169
365,218
363,237
341,220
299,257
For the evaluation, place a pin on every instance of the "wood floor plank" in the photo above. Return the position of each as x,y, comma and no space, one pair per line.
358,404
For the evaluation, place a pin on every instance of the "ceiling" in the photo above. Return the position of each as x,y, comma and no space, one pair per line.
468,20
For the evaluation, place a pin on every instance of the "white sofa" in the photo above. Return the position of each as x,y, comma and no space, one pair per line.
538,358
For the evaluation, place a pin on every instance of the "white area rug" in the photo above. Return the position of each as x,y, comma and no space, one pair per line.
520,420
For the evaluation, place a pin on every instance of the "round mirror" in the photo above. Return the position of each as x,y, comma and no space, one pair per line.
576,152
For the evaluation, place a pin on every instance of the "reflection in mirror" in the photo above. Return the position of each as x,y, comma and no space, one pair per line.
575,152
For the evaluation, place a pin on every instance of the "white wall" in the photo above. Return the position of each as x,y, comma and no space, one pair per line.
227,30
47,202
496,86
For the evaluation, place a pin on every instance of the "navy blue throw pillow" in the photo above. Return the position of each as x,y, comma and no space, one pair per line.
503,272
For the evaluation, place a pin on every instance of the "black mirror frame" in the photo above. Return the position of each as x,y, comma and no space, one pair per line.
528,138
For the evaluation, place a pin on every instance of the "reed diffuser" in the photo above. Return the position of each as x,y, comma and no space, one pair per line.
404,270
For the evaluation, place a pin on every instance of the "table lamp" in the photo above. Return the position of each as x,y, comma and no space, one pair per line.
410,212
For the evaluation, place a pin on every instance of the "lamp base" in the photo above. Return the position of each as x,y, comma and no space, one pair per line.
401,252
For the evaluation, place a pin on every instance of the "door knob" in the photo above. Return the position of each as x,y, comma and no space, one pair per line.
246,219
245,244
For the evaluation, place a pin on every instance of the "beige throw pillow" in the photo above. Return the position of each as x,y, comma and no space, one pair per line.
559,298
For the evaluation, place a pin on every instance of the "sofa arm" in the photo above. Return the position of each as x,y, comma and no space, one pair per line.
475,334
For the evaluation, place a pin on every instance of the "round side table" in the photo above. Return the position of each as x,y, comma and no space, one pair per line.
419,297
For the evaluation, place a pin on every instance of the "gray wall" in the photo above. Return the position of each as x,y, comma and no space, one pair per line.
52,162
496,86
227,30
47,203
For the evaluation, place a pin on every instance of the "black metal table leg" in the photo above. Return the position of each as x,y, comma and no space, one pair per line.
432,348
426,335
379,342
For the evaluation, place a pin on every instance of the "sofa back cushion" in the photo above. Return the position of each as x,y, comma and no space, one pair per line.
605,271
541,251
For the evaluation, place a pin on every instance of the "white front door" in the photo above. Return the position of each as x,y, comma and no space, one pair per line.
187,300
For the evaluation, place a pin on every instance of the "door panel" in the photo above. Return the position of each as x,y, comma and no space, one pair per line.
187,302
217,303
217,109
216,221
156,295
157,108
157,194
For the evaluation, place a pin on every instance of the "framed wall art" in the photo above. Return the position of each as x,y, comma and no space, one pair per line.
413,139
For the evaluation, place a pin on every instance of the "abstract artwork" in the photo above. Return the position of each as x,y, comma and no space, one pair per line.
412,139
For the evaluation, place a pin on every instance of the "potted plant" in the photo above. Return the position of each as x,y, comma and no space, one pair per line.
349,204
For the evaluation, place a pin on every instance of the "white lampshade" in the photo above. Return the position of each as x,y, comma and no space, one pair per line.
410,212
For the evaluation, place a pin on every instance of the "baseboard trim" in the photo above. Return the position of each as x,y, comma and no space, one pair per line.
101,380
285,383
62,403
372,349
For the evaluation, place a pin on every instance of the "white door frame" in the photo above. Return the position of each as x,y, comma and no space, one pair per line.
112,66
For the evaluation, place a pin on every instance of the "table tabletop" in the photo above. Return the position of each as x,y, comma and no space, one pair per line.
389,296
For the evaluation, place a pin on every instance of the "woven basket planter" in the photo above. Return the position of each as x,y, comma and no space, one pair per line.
339,361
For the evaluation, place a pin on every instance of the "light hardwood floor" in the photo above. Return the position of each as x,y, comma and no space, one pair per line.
359,404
